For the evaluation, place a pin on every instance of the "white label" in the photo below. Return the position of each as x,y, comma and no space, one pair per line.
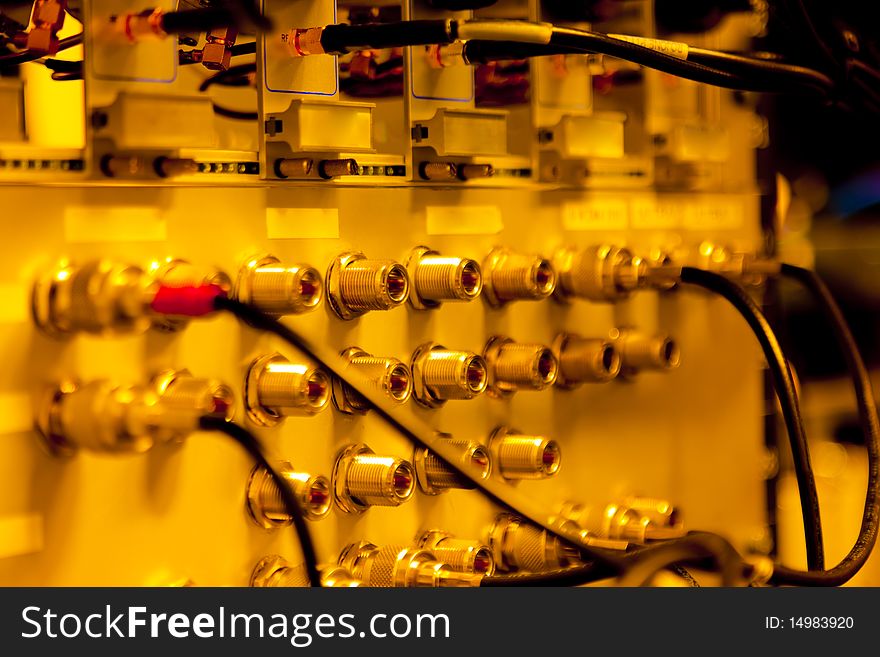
610,214
20,534
463,220
671,48
16,413
114,224
302,223
15,304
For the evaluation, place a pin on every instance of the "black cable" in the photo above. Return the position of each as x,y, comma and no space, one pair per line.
14,59
698,545
252,446
594,42
476,52
341,38
575,576
197,20
685,574
233,72
788,401
858,555
238,115
746,65
260,321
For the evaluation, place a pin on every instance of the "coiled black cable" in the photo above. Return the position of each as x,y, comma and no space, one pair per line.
783,383
250,443
867,406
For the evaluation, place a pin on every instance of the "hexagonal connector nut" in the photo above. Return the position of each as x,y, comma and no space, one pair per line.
463,375
266,283
435,279
362,479
383,286
274,388
509,276
515,366
394,379
266,506
517,456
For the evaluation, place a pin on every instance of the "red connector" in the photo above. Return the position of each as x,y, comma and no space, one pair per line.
186,300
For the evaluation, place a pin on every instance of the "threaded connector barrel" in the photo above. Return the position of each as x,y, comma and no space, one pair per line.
461,554
638,351
509,276
440,374
434,476
519,546
266,505
585,360
276,571
390,375
401,566
99,297
276,388
183,399
597,273
517,366
363,479
278,290
437,278
356,285
519,456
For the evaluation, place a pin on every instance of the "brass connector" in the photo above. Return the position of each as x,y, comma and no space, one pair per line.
518,456
176,272
275,387
515,366
362,479
597,273
640,352
520,546
266,506
98,297
584,360
748,268
461,554
440,374
356,285
278,290
436,278
392,376
435,477
509,276
634,519
276,571
183,396
401,566
105,417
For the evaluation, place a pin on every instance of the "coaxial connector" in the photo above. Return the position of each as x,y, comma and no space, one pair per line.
509,276
392,377
517,366
356,285
518,456
275,388
401,566
362,479
597,273
276,289
434,476
435,278
440,374
266,505
584,360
